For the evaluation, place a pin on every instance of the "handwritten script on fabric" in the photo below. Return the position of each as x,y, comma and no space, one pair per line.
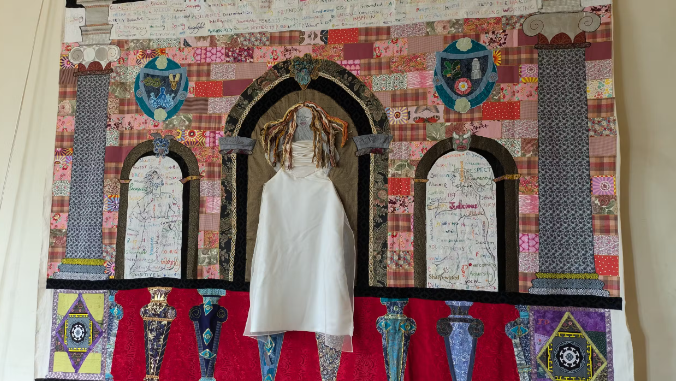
154,220
461,223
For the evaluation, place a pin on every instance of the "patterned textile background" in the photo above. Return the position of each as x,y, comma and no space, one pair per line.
397,64
531,91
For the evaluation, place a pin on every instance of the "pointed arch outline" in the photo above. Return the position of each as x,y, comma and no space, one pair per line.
507,209
191,202
368,116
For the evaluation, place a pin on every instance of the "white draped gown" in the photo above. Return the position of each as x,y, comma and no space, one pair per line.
302,276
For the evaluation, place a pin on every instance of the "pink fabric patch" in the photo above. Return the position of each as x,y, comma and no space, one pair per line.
606,245
419,79
529,243
433,98
406,241
418,149
528,204
393,241
529,263
487,128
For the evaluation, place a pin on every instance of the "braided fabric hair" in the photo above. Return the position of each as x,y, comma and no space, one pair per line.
323,127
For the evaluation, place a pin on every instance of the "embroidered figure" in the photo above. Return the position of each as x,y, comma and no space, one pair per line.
310,120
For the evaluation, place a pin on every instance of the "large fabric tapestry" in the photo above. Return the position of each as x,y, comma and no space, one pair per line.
323,190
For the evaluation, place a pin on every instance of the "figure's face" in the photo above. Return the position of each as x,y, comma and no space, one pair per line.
304,117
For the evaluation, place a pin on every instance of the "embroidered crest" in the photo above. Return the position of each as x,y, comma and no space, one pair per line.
305,69
161,87
465,74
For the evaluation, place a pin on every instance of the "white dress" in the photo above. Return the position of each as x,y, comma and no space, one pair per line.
302,276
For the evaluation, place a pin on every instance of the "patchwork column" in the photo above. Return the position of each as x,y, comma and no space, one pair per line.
94,57
566,234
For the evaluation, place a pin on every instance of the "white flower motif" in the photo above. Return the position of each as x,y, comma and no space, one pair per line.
462,105
464,44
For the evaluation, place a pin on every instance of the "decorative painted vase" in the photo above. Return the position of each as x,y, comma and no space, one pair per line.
157,317
269,350
329,356
519,333
208,318
460,332
114,322
396,330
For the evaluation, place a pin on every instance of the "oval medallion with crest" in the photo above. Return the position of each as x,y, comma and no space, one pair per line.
161,88
465,74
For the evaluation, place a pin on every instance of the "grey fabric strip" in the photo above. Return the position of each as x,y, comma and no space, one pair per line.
566,234
85,212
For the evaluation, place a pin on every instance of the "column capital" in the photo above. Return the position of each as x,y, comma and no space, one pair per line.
561,30
96,30
94,59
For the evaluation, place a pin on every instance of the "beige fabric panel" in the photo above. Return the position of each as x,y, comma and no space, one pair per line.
344,176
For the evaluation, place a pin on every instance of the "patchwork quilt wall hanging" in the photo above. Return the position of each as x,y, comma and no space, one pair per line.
335,190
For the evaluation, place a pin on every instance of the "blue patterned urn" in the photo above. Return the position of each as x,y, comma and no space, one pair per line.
269,350
114,321
519,333
208,318
460,332
157,317
396,330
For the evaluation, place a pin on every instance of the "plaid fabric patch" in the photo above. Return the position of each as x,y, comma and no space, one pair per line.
604,224
129,106
385,98
600,166
67,92
60,204
612,284
529,110
400,98
57,253
601,108
374,66
525,281
408,132
134,137
198,72
528,166
473,115
519,55
291,37
109,236
250,70
529,223
209,222
399,278
206,122
372,34
603,33
64,139
210,171
428,44
398,222
112,170
603,146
